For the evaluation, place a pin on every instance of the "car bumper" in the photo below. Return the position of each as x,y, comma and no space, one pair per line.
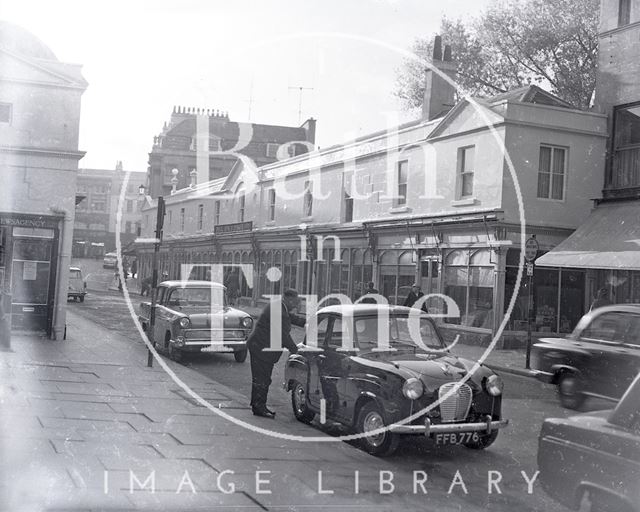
546,377
207,346
427,428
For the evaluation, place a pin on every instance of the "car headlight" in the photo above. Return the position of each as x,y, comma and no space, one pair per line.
247,322
493,385
184,322
413,388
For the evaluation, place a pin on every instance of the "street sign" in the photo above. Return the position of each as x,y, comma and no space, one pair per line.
531,247
529,269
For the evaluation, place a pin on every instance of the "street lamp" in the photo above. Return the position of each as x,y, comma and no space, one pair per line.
154,270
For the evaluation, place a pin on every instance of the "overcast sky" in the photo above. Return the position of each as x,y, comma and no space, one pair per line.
141,58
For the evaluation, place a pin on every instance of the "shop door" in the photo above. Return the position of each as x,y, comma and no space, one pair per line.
31,282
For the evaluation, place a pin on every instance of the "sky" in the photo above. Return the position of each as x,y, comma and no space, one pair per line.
245,57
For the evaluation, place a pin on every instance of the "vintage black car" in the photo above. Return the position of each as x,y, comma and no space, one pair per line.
369,386
193,316
592,461
600,358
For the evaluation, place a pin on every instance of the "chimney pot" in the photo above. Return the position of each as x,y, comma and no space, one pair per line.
437,48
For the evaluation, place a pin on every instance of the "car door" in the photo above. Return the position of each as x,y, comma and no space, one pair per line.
160,327
314,387
602,339
629,353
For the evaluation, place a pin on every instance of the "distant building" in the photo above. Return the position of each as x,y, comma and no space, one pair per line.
432,201
607,243
39,124
95,228
193,139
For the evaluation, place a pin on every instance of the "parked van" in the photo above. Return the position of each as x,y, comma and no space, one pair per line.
77,285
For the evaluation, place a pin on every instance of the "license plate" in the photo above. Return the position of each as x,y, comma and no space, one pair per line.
456,437
216,348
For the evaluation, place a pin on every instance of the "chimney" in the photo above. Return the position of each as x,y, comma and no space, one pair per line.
439,94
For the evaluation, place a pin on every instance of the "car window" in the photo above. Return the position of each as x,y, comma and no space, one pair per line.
337,332
323,323
160,295
632,334
76,274
607,327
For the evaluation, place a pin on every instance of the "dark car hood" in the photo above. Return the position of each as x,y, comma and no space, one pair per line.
434,369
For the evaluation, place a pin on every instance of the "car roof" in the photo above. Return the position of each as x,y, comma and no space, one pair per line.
628,308
364,309
75,268
192,284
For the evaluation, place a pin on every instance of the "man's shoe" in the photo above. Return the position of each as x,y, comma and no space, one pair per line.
264,413
269,410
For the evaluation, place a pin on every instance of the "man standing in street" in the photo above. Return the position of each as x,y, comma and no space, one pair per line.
371,290
263,359
414,295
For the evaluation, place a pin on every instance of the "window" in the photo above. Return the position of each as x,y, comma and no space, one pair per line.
272,204
308,199
138,229
272,150
403,171
241,203
625,166
200,216
181,219
170,217
551,172
129,206
216,219
127,227
214,144
98,206
466,158
624,12
5,112
348,207
607,327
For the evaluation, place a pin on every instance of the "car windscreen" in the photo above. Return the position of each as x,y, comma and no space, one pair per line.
75,274
196,297
423,336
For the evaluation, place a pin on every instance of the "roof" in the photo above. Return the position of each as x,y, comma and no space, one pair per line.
22,42
529,94
616,308
366,309
192,284
608,239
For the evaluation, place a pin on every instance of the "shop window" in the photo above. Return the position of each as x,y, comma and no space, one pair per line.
397,274
289,270
403,179
466,157
551,172
469,281
361,272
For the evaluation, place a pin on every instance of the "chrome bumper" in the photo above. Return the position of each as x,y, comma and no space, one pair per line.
546,377
427,428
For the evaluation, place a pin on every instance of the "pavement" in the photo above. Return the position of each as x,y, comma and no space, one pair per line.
86,425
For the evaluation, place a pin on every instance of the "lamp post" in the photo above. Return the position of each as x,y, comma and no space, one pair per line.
154,271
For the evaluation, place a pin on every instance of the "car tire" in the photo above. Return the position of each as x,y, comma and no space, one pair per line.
569,391
484,441
299,403
371,418
240,355
175,354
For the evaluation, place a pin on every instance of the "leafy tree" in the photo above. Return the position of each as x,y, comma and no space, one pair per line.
551,43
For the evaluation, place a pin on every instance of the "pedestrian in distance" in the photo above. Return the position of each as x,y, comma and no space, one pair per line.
414,295
262,360
371,289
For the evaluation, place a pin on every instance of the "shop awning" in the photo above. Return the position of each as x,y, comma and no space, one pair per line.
608,239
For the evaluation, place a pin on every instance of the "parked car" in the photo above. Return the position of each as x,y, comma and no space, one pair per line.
600,358
193,316
77,285
592,461
369,386
110,260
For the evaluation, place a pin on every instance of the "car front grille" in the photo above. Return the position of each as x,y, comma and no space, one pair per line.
456,406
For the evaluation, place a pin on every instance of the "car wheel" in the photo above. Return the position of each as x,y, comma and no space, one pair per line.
484,441
569,391
240,355
370,418
299,404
